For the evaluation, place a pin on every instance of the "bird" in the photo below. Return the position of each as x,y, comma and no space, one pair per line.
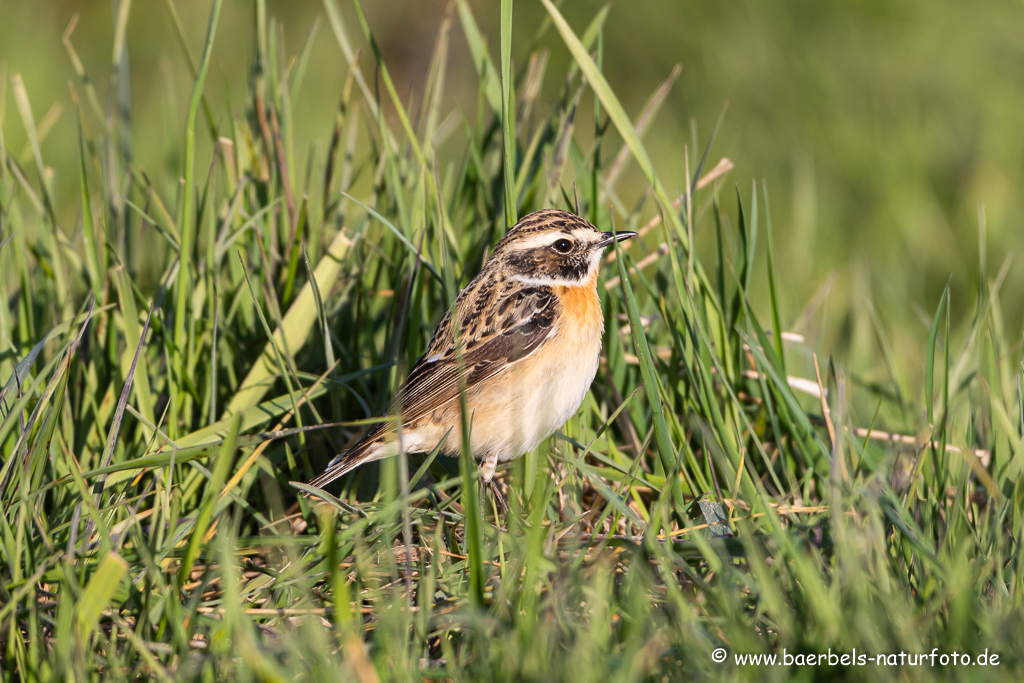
529,326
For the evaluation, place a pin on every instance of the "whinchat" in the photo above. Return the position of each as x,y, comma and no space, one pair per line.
529,326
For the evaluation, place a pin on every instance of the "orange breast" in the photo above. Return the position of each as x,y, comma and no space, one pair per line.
581,305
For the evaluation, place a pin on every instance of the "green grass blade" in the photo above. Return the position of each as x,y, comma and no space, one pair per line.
508,126
115,427
666,450
187,229
29,122
615,111
390,86
486,71
294,331
225,457
99,592
397,233
929,372
773,288
95,254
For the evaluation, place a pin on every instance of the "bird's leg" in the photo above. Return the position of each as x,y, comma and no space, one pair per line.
487,467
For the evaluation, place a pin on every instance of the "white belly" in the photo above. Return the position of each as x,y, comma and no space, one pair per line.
535,398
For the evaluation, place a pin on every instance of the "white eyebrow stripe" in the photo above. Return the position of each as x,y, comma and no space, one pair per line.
583,234
548,238
543,240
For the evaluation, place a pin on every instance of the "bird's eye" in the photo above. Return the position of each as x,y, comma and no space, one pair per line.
563,246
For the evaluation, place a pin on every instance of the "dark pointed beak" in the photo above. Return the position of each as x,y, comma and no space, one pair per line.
610,237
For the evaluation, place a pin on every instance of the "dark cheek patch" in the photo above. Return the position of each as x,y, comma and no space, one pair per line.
573,267
544,262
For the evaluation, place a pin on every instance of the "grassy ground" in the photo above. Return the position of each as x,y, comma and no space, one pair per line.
169,357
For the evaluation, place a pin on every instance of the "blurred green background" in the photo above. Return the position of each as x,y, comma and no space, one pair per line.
882,129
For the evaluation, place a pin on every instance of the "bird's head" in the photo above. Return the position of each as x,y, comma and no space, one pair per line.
554,248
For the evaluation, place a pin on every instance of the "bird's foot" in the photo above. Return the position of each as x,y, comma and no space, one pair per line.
487,467
499,499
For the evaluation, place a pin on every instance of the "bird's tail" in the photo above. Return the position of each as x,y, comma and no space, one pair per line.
367,450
